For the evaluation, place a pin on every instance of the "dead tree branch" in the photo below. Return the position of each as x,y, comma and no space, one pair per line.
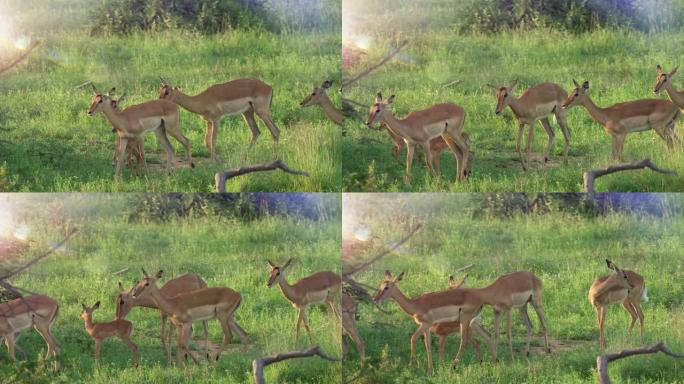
222,177
358,77
258,365
603,360
20,58
362,266
40,257
593,174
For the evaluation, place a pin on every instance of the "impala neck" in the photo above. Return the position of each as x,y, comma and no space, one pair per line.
397,126
114,117
191,103
516,106
597,113
676,96
147,302
333,113
89,322
162,303
406,304
287,290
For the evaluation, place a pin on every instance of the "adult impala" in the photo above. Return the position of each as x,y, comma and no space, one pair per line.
535,104
634,116
181,284
101,331
460,304
189,307
420,127
18,315
626,287
136,145
320,288
664,81
245,96
158,116
319,97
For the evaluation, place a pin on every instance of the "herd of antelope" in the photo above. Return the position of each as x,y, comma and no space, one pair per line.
459,309
441,126
183,301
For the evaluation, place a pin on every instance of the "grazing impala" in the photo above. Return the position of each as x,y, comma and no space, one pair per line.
245,96
349,312
181,284
459,304
18,315
319,97
634,116
535,104
192,306
421,127
159,116
624,287
320,288
100,331
664,81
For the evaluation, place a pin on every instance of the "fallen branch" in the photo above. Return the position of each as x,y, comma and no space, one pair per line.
449,84
19,58
258,365
603,360
222,177
120,271
356,78
360,267
590,176
40,257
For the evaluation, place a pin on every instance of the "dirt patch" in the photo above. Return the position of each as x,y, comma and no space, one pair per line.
560,346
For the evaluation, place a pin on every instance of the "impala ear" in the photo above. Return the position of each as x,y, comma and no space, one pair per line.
611,265
94,88
388,274
163,82
84,306
145,273
399,277
576,83
513,83
659,69
493,87
327,84
390,100
378,98
270,264
585,85
674,71
159,274
121,287
97,305
451,280
111,91
287,263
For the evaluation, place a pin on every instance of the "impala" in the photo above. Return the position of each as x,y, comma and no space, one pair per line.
420,127
245,96
349,313
460,304
100,331
159,116
320,288
319,97
192,306
134,144
634,116
18,315
664,81
535,104
626,287
181,284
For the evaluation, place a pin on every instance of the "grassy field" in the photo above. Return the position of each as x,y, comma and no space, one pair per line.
49,144
565,251
620,65
226,252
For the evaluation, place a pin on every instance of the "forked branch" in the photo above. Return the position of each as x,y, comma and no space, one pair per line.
358,77
258,365
222,177
603,360
347,274
19,59
593,174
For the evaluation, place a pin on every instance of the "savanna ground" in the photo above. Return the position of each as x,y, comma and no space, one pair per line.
50,144
566,251
619,63
225,250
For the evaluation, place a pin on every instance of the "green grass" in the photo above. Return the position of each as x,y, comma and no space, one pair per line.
620,65
226,252
565,251
54,146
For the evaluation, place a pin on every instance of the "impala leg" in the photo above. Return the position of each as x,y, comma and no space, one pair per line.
619,145
487,339
442,346
164,140
240,332
349,325
52,346
602,319
10,343
98,344
495,334
298,323
561,117
518,142
530,138
428,158
549,132
17,347
410,151
167,347
126,338
396,148
248,115
509,332
214,135
436,162
205,325
178,135
640,313
186,332
632,314
539,309
428,348
465,327
528,324
120,156
207,134
414,337
458,148
265,115
305,319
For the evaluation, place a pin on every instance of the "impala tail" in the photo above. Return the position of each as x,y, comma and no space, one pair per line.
644,295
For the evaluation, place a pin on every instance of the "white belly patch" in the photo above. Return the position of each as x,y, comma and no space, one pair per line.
446,313
520,298
233,107
436,129
205,312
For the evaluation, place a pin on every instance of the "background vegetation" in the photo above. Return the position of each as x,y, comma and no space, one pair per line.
227,250
618,61
54,146
566,250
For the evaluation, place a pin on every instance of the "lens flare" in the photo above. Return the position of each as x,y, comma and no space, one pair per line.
22,42
362,233
22,232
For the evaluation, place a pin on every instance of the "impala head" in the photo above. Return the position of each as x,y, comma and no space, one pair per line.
387,286
116,103
124,302
167,90
317,95
503,96
275,273
377,109
662,78
145,284
88,311
577,96
99,100
453,284
620,275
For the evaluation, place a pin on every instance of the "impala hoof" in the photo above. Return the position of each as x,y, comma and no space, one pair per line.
192,165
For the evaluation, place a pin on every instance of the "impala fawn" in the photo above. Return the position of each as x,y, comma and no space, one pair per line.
101,331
